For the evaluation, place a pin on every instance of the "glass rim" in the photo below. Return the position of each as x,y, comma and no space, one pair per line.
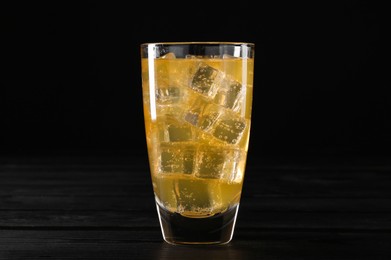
252,44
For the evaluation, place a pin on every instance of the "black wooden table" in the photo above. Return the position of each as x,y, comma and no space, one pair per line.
102,207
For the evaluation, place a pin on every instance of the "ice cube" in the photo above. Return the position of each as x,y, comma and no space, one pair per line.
208,119
170,72
170,161
172,110
172,130
206,79
227,56
232,168
169,55
167,95
189,56
229,130
228,95
218,162
201,114
193,197
193,114
210,162
189,153
209,116
179,133
177,158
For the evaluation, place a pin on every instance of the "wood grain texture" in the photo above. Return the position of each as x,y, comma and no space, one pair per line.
103,208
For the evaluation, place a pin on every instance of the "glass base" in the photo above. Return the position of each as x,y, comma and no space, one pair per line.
217,229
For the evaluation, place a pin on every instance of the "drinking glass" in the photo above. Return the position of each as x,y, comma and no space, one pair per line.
197,101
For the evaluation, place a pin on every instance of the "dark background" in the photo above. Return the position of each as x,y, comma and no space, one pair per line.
70,81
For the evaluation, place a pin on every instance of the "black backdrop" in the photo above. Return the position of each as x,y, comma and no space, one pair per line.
71,73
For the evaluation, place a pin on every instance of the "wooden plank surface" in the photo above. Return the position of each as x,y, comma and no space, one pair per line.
103,208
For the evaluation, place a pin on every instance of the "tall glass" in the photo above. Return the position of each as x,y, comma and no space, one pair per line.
197,99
